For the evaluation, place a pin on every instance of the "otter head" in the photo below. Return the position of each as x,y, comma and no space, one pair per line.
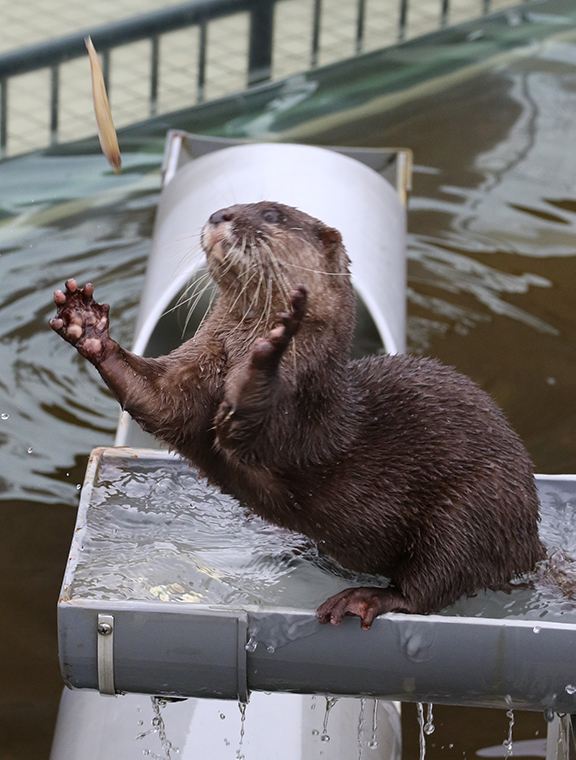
263,250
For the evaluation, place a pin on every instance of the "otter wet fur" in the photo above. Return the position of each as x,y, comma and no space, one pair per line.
395,465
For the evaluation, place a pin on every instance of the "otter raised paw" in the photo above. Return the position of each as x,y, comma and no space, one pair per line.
80,320
268,351
250,391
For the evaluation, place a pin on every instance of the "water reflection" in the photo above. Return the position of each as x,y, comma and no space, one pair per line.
492,232
57,405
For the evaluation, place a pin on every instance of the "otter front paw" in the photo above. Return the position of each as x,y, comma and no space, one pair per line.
80,320
268,351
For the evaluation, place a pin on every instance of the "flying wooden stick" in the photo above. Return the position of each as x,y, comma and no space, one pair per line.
106,131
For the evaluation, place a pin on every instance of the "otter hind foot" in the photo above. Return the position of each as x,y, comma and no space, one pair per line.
365,602
81,320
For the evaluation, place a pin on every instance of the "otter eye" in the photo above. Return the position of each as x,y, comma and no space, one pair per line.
271,216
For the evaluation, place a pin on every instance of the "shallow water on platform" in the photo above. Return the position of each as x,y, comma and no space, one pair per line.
154,530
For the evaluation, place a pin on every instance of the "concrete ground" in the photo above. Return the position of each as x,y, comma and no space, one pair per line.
34,21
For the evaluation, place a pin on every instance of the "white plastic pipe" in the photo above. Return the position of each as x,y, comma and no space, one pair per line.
338,190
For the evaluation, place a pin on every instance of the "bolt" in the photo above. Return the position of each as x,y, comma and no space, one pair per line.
104,629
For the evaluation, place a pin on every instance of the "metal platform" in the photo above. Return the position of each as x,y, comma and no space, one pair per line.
173,589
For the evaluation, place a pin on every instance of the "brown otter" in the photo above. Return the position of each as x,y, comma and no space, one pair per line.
393,464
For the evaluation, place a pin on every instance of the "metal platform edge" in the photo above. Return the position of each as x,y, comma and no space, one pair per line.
199,650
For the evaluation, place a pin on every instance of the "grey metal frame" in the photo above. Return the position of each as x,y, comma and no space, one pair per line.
203,649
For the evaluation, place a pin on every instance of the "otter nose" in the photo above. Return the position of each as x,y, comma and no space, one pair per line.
223,215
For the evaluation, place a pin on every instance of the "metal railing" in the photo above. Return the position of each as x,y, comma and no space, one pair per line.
53,54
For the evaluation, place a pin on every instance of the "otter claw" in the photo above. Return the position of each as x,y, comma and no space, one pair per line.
225,413
269,350
367,603
298,298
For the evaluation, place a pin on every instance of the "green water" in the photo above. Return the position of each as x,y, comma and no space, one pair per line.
492,273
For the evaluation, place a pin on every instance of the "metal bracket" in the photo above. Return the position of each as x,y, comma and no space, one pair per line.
105,634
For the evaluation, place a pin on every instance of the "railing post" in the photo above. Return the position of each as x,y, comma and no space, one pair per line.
316,32
403,19
202,44
444,13
154,75
106,70
260,52
54,94
3,117
360,20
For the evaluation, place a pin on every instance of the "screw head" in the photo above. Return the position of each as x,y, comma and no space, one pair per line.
104,629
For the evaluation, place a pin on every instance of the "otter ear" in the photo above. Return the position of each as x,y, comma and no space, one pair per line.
330,238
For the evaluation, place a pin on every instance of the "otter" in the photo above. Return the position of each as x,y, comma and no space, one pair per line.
393,464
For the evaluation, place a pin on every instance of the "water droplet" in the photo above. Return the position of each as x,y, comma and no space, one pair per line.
242,708
330,702
536,629
315,732
361,728
373,743
548,715
270,649
251,645
570,689
508,744
79,486
429,726
450,746
222,716
4,416
422,737
30,449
